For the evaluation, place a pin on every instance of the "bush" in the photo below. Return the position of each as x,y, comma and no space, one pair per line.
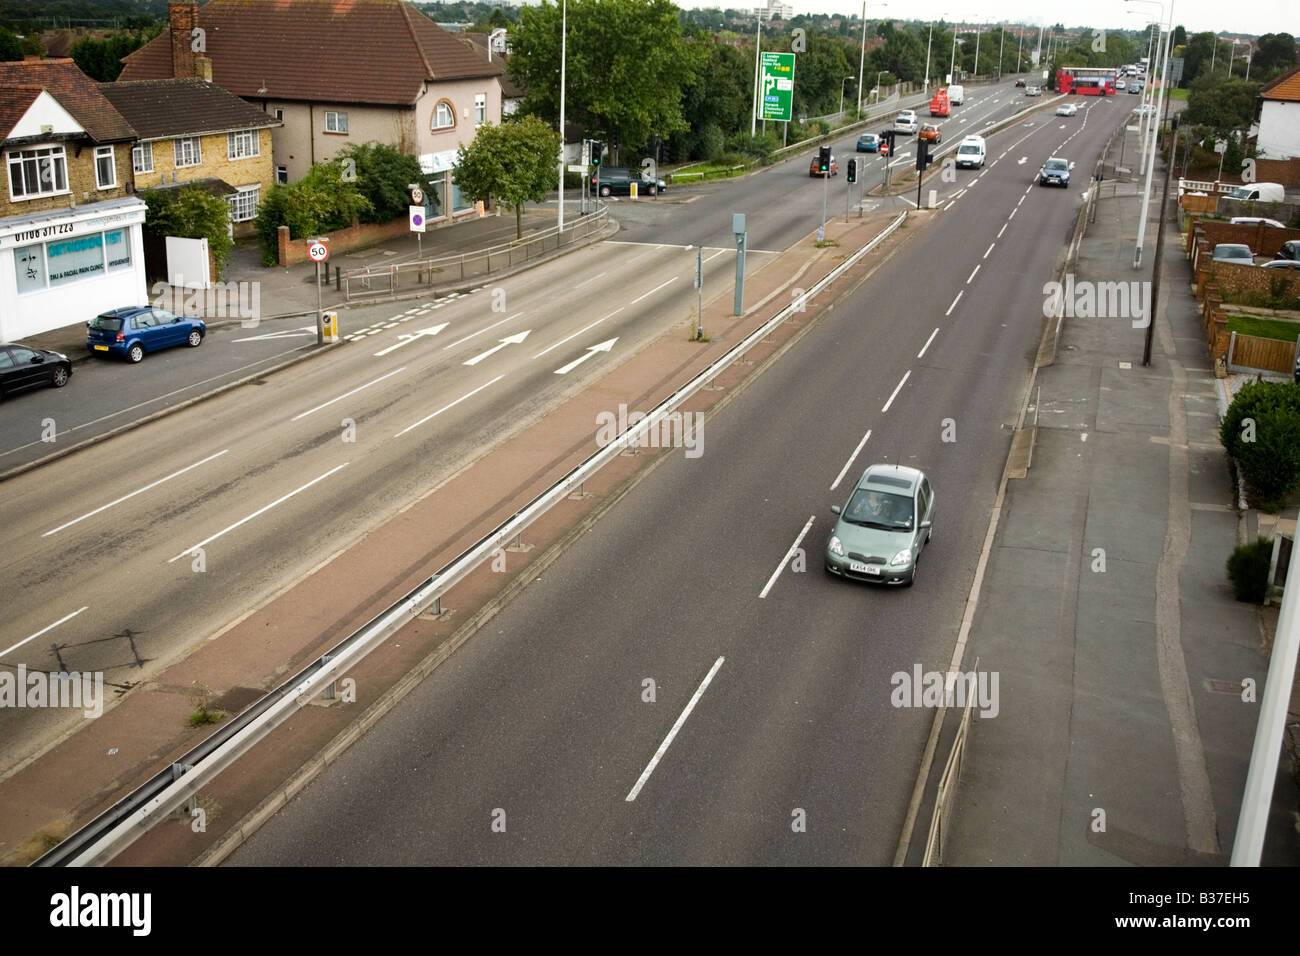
756,147
383,174
192,213
712,142
327,198
1248,570
1262,432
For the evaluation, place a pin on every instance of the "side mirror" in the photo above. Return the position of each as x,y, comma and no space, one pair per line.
925,524
835,509
38,359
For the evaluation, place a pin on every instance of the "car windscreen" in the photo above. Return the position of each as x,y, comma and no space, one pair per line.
880,509
106,323
1057,165
969,150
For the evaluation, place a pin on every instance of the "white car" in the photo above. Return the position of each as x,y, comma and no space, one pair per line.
1255,220
1145,110
1120,84
971,152
1033,91
905,122
1066,109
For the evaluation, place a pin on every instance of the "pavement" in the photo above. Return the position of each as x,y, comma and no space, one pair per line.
1122,737
292,290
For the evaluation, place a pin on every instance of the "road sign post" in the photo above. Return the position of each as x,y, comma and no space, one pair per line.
319,253
738,230
699,293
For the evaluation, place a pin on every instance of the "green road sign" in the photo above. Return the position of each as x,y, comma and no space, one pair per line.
778,86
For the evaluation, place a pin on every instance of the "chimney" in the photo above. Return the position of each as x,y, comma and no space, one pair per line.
184,17
203,68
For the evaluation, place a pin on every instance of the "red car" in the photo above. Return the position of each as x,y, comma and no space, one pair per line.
815,170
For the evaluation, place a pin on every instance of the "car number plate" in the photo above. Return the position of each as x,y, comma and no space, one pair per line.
101,348
862,568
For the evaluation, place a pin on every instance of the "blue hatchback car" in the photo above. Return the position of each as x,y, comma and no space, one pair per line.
868,143
134,330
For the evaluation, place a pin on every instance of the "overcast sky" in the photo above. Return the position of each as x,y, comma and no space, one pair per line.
1251,16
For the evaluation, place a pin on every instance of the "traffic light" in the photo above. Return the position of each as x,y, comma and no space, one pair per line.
853,171
824,159
922,155
597,147
887,142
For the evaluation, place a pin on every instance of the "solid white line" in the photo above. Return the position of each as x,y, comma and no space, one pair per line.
972,274
1002,230
138,491
445,407
481,331
786,559
844,470
663,747
927,343
257,512
897,389
954,304
577,333
585,281
346,394
989,249
653,291
48,627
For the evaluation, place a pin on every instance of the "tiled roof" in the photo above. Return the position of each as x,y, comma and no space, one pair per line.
335,51
212,184
14,104
76,93
1285,87
161,108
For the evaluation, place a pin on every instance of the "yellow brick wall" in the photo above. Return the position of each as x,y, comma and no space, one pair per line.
213,151
81,180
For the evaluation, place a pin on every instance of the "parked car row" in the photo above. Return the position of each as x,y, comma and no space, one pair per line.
1288,257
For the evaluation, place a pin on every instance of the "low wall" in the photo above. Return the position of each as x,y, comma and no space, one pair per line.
1263,240
293,251
1284,171
1233,278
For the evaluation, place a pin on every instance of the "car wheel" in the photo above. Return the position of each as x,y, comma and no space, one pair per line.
135,353
195,339
604,190
911,578
60,377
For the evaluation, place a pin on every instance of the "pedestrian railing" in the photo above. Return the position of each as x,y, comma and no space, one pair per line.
387,280
947,791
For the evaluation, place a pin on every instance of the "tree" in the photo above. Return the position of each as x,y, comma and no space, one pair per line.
1220,103
515,162
101,59
627,65
1180,35
192,213
327,198
498,19
383,175
1276,52
14,47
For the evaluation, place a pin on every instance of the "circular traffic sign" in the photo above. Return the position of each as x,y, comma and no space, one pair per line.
417,195
318,252
884,149
416,219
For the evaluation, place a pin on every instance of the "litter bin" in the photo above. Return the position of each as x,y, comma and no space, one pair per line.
330,323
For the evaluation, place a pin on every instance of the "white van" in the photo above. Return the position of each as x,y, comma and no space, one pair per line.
971,152
1262,192
956,94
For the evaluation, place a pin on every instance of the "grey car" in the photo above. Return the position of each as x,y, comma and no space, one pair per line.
883,527
1233,252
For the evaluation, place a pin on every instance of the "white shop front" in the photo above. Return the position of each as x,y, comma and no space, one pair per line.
62,267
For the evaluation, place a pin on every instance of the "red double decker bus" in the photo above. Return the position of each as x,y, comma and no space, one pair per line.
1086,80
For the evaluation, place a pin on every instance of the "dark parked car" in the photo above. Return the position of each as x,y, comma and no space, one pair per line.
24,367
136,329
1290,250
617,181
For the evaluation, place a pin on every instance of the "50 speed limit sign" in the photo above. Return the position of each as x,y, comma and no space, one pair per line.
318,252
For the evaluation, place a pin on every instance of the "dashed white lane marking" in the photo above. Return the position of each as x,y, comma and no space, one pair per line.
663,747
954,304
786,558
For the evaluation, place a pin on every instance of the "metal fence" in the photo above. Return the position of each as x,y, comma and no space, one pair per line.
376,282
948,786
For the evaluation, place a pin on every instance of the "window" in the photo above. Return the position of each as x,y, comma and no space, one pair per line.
105,167
278,113
444,117
37,172
29,266
282,175
72,260
243,144
243,204
187,151
118,245
480,108
336,122
142,158
6,360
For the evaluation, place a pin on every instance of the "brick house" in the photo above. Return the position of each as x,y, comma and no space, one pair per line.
336,72
192,132
70,224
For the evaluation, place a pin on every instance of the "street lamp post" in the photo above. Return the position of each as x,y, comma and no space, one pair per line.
928,41
842,82
976,72
1232,56
862,57
1002,39
952,60
879,74
1020,44
758,51
564,24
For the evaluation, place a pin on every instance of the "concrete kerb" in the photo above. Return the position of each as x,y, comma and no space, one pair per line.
241,831
17,470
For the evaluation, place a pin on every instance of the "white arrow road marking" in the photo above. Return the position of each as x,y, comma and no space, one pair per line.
286,334
1022,160
510,340
591,350
406,338
481,331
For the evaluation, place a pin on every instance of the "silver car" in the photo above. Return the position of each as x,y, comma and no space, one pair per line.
883,527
